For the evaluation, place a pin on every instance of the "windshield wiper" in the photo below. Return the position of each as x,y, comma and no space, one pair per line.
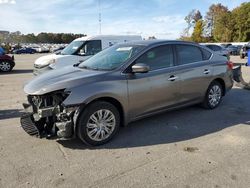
91,68
82,67
76,64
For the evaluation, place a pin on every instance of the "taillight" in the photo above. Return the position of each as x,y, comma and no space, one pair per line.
230,65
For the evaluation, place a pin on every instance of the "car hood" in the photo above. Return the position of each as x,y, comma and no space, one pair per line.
6,57
64,78
44,60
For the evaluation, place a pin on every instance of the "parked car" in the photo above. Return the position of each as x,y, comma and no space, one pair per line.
219,50
244,51
233,50
226,45
6,63
239,48
122,84
24,51
79,50
58,49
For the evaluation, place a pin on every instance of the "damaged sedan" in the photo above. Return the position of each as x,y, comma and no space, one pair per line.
121,84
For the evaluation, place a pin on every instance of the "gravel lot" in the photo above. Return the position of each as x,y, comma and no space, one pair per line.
191,147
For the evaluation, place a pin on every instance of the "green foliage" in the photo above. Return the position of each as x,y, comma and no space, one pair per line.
212,16
241,17
223,28
220,24
43,37
198,31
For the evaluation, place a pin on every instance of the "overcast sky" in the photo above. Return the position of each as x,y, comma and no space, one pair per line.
161,18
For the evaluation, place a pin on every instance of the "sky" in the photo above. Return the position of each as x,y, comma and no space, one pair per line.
161,18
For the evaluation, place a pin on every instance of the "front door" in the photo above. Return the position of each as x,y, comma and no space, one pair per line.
156,89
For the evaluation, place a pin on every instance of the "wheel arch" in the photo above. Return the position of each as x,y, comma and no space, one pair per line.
222,83
111,100
114,102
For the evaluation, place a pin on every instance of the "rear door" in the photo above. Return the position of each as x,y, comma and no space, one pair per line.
195,71
159,87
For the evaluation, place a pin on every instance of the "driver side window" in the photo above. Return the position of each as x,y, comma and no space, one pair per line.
91,48
158,58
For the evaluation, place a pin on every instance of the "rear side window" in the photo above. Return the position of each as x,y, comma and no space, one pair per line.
157,58
206,54
188,54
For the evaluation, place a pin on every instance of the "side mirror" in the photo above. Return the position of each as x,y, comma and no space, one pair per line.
82,52
140,68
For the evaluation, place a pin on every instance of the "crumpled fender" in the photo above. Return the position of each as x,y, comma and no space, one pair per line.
237,76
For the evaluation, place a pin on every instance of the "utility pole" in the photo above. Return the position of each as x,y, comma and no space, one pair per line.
100,17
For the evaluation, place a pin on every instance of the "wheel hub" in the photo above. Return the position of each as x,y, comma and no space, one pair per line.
5,66
101,125
214,95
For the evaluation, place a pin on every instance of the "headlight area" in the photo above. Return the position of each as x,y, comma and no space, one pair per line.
45,116
46,64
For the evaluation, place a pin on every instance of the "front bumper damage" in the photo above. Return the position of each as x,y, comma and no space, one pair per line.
45,116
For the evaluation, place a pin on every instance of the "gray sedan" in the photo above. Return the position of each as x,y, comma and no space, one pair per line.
122,84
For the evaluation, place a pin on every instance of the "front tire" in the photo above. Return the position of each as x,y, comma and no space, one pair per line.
98,123
5,66
213,95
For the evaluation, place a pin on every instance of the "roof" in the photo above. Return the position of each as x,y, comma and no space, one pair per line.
157,42
108,37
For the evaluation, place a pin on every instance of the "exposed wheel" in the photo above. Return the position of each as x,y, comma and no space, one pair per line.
5,66
98,123
213,96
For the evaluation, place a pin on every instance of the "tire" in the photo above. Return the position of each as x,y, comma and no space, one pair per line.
242,56
6,66
213,96
92,123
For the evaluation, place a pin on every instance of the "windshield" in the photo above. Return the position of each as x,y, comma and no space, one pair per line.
72,48
111,58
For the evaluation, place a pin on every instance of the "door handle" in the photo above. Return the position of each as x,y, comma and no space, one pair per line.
206,71
172,78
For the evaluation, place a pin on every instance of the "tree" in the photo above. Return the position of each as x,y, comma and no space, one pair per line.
191,19
241,17
198,31
211,17
220,24
224,28
30,38
197,16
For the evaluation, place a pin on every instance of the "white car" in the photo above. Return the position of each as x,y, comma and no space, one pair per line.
79,50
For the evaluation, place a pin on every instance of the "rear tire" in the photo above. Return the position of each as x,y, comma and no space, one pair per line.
98,123
213,96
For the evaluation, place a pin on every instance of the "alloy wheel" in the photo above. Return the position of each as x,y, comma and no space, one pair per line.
5,66
214,95
101,125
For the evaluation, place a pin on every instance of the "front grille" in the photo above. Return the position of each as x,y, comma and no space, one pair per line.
29,126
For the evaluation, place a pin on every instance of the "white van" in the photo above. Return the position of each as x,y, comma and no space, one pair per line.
79,50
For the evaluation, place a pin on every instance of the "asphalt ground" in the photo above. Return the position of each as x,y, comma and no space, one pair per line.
191,147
